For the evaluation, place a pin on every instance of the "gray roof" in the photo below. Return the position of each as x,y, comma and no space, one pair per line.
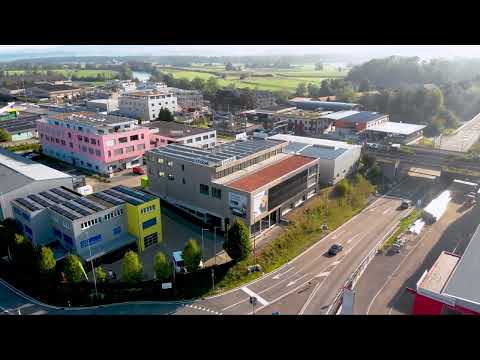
363,117
397,128
175,130
463,283
20,124
219,154
11,180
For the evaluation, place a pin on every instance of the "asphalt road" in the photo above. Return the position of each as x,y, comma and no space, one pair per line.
306,285
464,138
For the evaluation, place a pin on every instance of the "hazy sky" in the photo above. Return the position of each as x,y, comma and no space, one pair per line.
423,51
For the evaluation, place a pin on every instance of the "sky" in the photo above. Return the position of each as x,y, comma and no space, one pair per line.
423,51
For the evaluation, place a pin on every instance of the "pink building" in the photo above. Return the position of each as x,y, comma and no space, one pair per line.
99,143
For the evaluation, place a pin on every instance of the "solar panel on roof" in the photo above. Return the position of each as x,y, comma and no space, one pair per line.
39,200
51,197
27,204
108,199
67,214
88,204
134,193
76,208
128,199
63,194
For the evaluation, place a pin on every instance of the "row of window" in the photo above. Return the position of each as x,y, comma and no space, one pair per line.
245,164
86,139
216,193
124,139
128,149
148,209
95,221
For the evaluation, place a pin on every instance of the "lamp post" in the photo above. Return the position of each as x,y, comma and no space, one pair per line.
215,243
202,242
91,263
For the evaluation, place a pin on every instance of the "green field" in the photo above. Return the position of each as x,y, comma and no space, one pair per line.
67,73
284,79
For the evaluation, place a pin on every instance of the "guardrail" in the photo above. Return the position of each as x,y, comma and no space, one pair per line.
352,280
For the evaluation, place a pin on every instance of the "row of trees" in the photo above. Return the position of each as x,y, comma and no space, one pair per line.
343,90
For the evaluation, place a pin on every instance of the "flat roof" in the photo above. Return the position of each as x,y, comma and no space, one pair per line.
57,87
121,194
175,130
20,124
313,141
217,155
93,119
397,128
363,117
463,283
270,173
148,93
307,114
439,273
340,114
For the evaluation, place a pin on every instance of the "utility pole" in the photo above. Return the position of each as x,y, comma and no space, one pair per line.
202,242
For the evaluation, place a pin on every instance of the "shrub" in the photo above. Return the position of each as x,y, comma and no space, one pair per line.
73,269
238,245
192,255
132,268
163,270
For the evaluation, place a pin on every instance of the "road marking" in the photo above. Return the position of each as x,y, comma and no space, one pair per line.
24,306
338,234
295,281
323,274
353,237
251,293
386,211
39,312
312,295
279,276
335,263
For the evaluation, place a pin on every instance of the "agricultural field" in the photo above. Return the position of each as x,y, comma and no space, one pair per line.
262,79
67,73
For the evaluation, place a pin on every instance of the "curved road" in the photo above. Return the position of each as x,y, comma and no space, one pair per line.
306,285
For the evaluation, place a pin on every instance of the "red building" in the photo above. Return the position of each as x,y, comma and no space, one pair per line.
451,286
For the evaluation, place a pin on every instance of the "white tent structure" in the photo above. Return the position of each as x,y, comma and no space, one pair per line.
437,207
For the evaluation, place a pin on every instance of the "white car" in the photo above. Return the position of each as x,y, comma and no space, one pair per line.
179,264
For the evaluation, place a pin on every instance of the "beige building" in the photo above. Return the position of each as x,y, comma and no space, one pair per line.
146,105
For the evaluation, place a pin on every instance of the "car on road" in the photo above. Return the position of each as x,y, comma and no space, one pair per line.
335,249
138,170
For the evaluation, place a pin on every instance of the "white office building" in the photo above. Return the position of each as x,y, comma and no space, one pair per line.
146,105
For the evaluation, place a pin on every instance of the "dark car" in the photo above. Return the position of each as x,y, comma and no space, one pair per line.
335,249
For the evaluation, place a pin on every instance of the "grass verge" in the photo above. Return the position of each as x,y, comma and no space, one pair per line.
403,226
304,230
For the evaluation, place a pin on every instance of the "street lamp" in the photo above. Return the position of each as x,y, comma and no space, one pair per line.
202,242
91,263
215,242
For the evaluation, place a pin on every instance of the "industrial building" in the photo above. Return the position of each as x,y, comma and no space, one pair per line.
103,105
395,132
20,176
163,133
451,285
253,180
336,159
146,105
89,226
21,126
312,104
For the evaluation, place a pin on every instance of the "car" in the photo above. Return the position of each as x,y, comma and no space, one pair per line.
179,264
335,249
31,155
138,170
405,204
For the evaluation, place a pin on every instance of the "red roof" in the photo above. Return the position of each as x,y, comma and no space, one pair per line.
270,173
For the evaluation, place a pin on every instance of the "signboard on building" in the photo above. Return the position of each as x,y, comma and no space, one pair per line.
227,161
237,204
241,136
166,285
260,203
200,161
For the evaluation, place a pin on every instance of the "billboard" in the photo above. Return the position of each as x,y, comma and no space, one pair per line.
237,204
260,203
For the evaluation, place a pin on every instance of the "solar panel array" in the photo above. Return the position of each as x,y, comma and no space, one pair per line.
135,193
64,194
39,200
30,206
109,199
89,204
51,197
129,199
76,208
65,213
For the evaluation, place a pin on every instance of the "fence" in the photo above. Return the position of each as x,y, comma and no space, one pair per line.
336,305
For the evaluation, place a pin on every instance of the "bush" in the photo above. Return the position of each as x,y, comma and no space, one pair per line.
163,270
101,275
238,245
132,268
46,262
342,188
24,252
73,269
192,255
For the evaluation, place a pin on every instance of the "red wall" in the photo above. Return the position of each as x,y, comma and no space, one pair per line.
426,306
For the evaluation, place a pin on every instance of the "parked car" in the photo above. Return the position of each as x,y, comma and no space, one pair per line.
138,170
335,249
405,204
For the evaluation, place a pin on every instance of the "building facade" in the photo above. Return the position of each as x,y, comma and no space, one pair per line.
188,99
99,143
163,133
146,105
252,180
90,226
56,93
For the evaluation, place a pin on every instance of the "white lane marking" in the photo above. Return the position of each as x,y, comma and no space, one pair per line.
312,295
279,276
386,211
295,281
353,238
338,234
251,293
323,274
335,263
39,312
24,306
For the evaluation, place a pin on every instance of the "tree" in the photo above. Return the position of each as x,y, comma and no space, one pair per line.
364,85
238,245
342,188
162,268
313,90
198,84
165,115
319,66
5,136
24,252
73,269
192,255
101,275
229,67
132,268
46,261
301,89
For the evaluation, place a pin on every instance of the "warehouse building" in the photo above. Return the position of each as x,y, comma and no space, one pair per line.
451,285
163,133
90,226
21,126
336,159
20,176
312,104
395,132
252,180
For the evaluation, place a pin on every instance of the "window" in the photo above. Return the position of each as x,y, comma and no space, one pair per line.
28,230
90,150
86,139
149,223
57,141
84,148
71,145
89,165
93,141
205,137
130,149
57,233
198,138
216,193
80,128
97,152
170,163
142,136
204,189
79,137
62,142
122,140
160,160
118,151
171,177
134,138
68,239
161,174
189,141
141,147
212,136
183,167
110,142
109,153
117,230
69,135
